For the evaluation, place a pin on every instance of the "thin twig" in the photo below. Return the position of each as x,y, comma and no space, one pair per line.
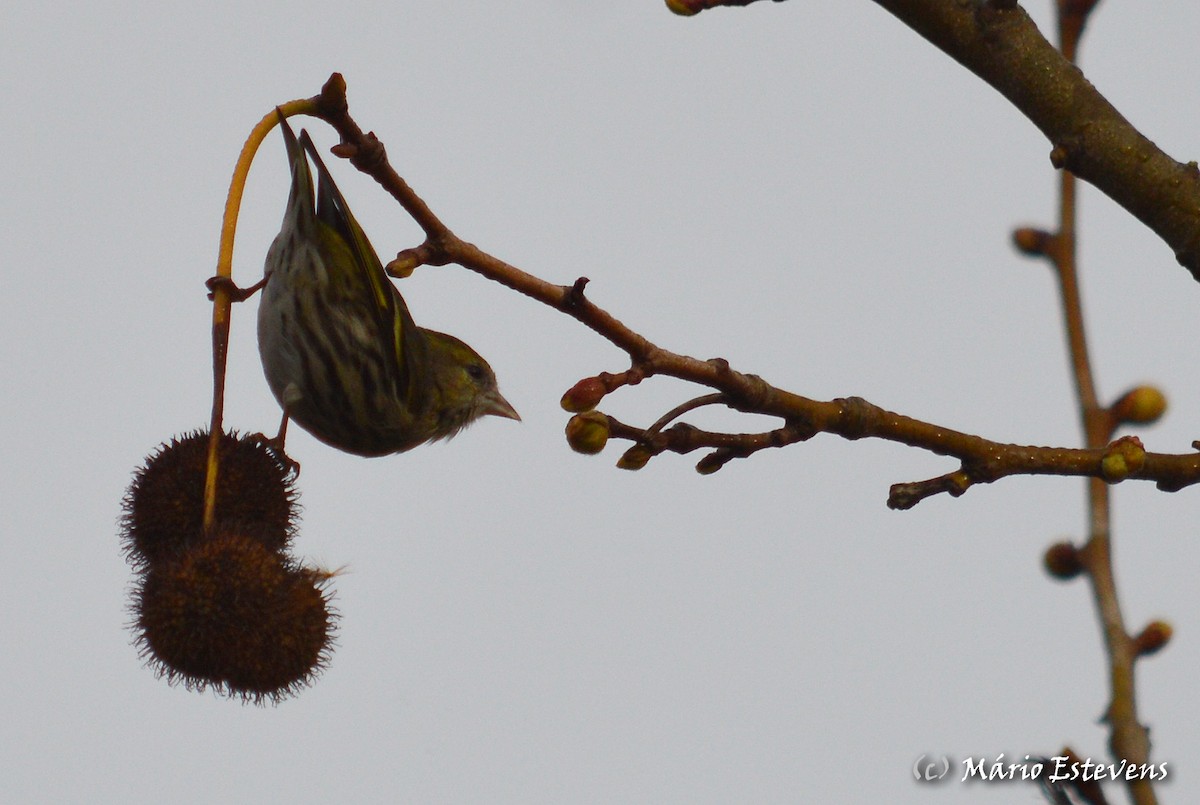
982,460
223,292
1128,739
1002,45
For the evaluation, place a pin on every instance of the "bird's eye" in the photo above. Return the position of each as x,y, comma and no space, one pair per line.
475,371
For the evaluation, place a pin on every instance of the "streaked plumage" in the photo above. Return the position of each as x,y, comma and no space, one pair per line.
339,348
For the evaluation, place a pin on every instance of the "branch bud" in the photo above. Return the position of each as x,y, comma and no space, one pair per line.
1058,156
1032,242
404,265
1153,638
712,462
584,395
587,432
635,458
1141,405
682,8
1062,561
1123,458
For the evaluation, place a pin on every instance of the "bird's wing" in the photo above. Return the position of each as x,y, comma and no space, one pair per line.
395,322
300,199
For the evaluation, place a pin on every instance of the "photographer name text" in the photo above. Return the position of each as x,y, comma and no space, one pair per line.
1060,769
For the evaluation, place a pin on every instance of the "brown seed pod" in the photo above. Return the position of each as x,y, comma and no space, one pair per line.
164,507
231,615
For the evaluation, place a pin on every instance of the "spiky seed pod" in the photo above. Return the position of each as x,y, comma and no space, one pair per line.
164,507
235,617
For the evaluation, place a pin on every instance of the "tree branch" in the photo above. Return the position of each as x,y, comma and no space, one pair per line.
687,8
1000,43
997,41
981,460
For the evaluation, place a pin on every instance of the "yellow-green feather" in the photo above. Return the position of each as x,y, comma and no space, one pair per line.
341,230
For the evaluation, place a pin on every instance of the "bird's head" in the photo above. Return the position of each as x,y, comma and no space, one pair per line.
465,386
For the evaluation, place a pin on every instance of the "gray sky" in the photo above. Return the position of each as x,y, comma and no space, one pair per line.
809,190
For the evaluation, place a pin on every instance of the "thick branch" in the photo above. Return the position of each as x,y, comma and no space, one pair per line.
996,40
1089,137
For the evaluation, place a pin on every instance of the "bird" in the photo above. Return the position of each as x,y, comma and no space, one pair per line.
339,347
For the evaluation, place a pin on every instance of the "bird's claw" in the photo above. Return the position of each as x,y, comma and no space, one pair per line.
236,294
274,445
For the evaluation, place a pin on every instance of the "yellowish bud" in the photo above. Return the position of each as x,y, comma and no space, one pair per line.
1124,458
587,432
1141,405
1154,637
404,265
682,8
635,458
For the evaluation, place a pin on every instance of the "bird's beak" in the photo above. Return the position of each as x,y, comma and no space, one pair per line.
496,405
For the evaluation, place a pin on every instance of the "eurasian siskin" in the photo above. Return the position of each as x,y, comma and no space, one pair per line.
339,347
